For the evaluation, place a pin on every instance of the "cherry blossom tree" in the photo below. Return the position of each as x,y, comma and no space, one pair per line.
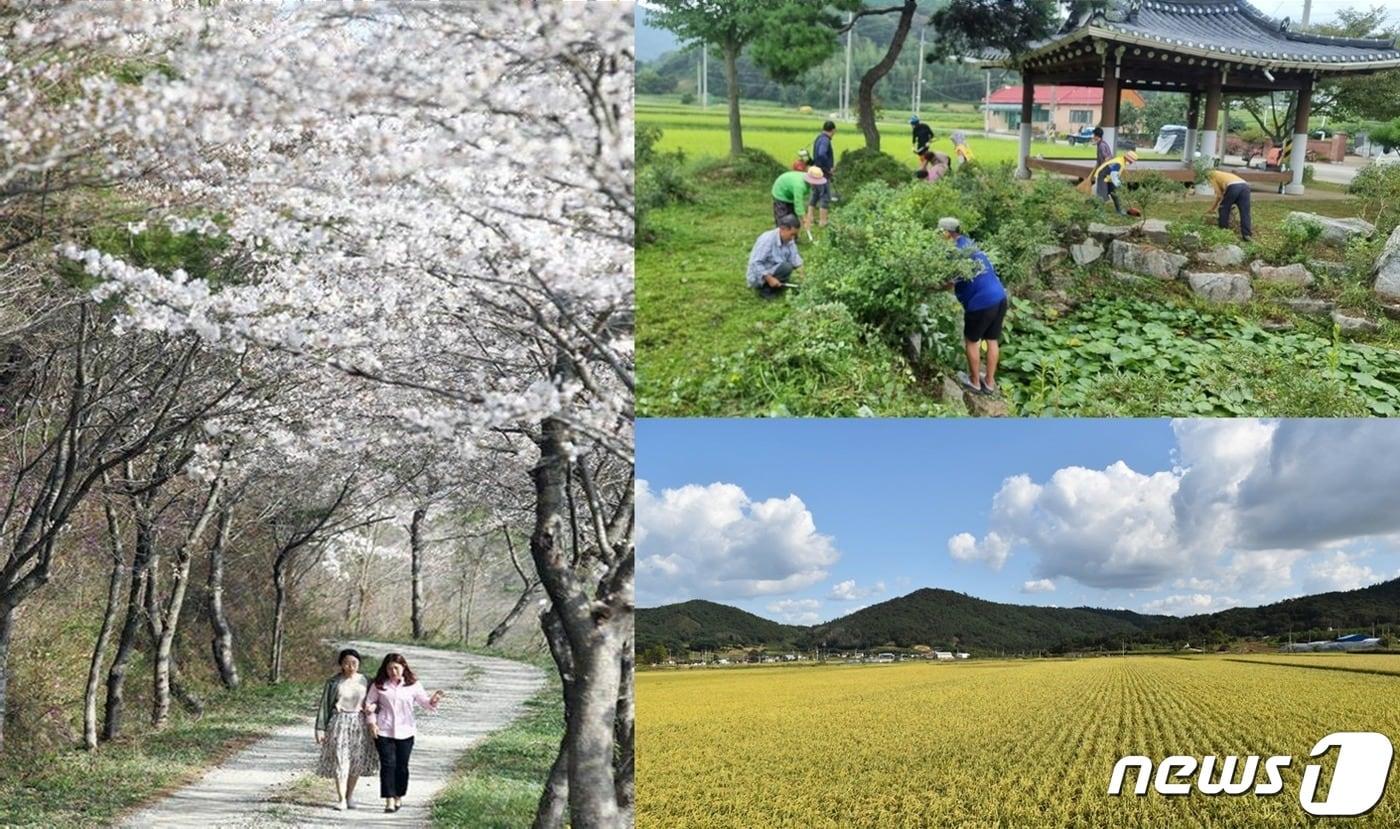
435,200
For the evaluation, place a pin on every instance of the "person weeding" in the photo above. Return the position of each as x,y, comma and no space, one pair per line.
960,148
1108,177
774,258
792,190
923,134
933,166
1231,191
984,303
803,159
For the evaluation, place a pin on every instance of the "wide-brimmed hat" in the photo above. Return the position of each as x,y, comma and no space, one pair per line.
1130,157
949,224
802,153
815,175
913,119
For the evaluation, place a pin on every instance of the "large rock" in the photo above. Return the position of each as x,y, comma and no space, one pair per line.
1294,274
1332,270
1225,256
1388,268
1337,231
1107,233
984,405
1086,252
1354,325
1391,309
1156,231
1317,307
1048,256
1145,260
950,391
1221,287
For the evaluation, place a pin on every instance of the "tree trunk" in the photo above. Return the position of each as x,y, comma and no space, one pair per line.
7,623
878,71
624,729
471,600
109,617
126,642
222,643
554,799
165,642
279,587
593,642
415,544
731,78
526,596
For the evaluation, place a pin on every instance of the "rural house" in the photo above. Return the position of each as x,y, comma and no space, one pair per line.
1068,109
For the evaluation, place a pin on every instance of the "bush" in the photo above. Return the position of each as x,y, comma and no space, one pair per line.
1015,247
1378,187
817,361
1151,188
749,167
1295,242
991,193
858,168
661,178
687,98
886,261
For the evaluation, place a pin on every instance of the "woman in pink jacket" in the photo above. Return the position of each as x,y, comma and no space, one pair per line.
389,714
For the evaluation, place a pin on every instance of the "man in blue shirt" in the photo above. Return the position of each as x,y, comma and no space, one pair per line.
774,257
824,156
984,303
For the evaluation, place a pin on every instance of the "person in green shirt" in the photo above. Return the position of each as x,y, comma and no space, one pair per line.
792,191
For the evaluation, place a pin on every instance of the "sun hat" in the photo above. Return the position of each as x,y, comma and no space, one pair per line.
949,224
802,153
913,119
1130,157
815,176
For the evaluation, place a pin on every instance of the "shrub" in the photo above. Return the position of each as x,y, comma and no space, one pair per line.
1063,210
991,192
687,98
885,260
1151,188
1378,187
749,167
816,361
1015,246
1294,242
858,168
661,179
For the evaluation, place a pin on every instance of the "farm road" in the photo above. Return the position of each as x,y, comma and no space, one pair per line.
484,694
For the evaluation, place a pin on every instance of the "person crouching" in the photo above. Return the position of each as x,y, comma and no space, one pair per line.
774,258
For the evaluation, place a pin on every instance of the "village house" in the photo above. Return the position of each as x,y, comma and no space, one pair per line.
1068,109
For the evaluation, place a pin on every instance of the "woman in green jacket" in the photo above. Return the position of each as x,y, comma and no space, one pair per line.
347,750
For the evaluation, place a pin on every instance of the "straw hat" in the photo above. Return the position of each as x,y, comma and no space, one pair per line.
1130,157
815,176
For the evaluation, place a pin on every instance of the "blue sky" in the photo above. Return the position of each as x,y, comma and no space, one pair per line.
1145,514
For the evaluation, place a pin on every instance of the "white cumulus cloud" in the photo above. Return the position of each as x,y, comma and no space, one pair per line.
796,611
712,541
992,549
1038,586
849,591
1190,604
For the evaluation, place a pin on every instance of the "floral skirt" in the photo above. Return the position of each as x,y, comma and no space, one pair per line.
348,749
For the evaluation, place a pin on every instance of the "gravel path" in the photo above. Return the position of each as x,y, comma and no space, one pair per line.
484,694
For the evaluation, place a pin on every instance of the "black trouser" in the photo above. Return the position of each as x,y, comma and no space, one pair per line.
782,273
393,765
1236,194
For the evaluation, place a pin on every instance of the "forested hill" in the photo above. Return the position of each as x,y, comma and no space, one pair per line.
946,619
702,625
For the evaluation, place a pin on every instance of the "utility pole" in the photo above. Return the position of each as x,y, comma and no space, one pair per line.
846,87
700,72
919,78
1307,13
705,78
986,109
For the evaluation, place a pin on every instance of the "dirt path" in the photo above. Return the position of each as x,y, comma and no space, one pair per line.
484,694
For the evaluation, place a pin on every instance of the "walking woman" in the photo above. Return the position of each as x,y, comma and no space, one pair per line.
347,752
389,712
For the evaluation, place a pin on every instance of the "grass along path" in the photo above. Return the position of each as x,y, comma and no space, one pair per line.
265,783
498,783
75,788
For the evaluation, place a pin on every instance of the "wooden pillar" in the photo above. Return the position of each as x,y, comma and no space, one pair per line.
1300,139
1112,96
1210,142
1023,169
1193,118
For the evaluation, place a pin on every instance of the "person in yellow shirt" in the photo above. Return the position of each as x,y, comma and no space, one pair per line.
960,148
1231,191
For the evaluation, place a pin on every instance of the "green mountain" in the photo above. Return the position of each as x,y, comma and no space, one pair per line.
701,625
946,619
943,618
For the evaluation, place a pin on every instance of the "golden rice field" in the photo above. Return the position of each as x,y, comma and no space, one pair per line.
1004,744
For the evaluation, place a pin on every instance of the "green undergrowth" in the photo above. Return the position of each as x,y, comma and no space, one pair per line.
75,788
